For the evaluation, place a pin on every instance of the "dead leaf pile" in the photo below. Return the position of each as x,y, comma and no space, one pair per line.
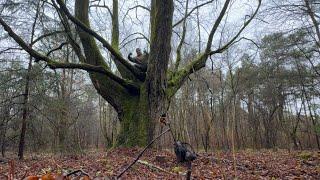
218,165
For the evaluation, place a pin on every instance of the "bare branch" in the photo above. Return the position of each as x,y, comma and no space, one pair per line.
136,33
57,48
102,6
136,7
314,21
184,30
9,49
123,43
46,35
140,6
221,49
128,42
216,25
192,10
176,79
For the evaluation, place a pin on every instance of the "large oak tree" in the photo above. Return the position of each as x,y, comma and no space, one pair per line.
138,97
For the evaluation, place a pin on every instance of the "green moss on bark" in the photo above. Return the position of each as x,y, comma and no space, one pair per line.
134,123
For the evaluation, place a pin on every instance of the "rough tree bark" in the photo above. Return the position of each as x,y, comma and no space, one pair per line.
139,98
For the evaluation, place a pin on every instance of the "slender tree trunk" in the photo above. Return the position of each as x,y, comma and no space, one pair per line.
308,103
3,130
25,110
293,133
312,15
314,123
252,124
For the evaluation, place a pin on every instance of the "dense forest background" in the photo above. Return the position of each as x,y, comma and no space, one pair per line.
263,92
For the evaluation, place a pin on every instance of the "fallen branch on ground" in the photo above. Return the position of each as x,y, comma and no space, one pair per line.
152,166
138,157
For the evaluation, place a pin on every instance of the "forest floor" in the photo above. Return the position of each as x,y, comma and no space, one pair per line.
265,164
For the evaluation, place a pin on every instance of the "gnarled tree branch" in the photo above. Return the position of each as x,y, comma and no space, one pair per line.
88,30
177,78
55,64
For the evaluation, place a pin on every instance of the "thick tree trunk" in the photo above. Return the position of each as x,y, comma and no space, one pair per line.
138,120
134,121
153,93
138,113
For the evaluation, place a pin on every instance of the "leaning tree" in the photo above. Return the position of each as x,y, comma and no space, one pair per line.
138,97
